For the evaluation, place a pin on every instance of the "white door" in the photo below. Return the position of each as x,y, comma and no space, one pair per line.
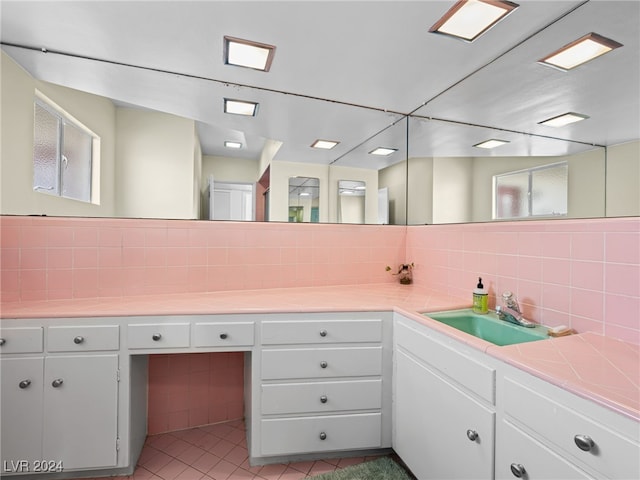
81,420
432,419
21,415
232,201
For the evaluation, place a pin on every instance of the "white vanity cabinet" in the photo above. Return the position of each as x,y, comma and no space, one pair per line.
443,405
322,384
546,432
59,404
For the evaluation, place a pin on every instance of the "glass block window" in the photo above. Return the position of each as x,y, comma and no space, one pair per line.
535,192
63,151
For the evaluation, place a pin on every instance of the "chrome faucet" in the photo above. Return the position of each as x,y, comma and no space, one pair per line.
509,311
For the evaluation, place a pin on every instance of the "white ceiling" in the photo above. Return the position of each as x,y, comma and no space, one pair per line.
346,71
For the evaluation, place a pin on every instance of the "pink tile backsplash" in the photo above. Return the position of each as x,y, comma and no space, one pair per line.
581,273
46,258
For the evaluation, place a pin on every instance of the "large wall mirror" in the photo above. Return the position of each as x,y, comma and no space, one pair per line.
400,148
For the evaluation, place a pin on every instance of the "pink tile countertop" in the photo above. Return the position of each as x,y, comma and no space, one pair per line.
601,369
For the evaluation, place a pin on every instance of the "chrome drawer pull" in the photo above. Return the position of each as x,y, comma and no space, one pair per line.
323,436
324,364
24,383
78,340
323,333
584,442
223,336
2,341
156,337
57,382
518,470
323,399
472,435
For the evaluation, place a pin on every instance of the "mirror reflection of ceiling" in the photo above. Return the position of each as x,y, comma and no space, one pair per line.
374,62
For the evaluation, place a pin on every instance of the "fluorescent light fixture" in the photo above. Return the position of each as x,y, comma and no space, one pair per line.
383,151
240,107
304,194
246,53
493,143
361,187
564,119
229,144
468,19
324,144
580,51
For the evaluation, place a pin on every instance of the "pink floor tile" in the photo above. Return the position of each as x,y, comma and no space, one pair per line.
190,455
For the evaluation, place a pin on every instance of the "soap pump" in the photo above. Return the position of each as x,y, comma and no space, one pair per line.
480,299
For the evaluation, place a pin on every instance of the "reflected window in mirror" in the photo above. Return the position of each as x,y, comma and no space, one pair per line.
304,200
64,153
535,192
351,201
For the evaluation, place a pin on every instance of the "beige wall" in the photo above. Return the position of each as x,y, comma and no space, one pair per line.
155,165
394,178
16,140
453,184
623,180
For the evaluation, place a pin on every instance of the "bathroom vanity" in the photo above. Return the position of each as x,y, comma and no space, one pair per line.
317,384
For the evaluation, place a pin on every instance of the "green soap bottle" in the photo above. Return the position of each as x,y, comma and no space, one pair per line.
480,298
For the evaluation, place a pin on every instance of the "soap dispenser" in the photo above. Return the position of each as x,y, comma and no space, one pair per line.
480,299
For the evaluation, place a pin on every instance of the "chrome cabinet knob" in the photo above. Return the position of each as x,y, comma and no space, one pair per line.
223,336
323,436
518,470
584,442
2,341
323,399
57,382
156,336
472,435
24,383
78,340
323,333
323,364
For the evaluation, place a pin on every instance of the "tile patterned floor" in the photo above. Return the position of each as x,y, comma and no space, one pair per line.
219,452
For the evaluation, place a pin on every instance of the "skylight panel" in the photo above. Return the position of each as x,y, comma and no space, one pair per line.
249,54
468,19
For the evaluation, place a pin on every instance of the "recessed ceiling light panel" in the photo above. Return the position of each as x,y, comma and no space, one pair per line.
564,119
230,144
383,151
492,143
468,19
580,51
245,53
240,107
324,144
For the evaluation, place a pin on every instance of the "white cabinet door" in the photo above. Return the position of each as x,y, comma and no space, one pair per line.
81,418
519,454
21,416
433,422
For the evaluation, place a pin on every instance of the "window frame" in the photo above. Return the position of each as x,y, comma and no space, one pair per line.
65,118
529,172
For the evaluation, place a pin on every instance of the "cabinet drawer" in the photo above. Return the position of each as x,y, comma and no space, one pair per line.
158,335
286,436
21,340
83,338
519,449
321,362
472,374
228,334
612,454
321,331
321,397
